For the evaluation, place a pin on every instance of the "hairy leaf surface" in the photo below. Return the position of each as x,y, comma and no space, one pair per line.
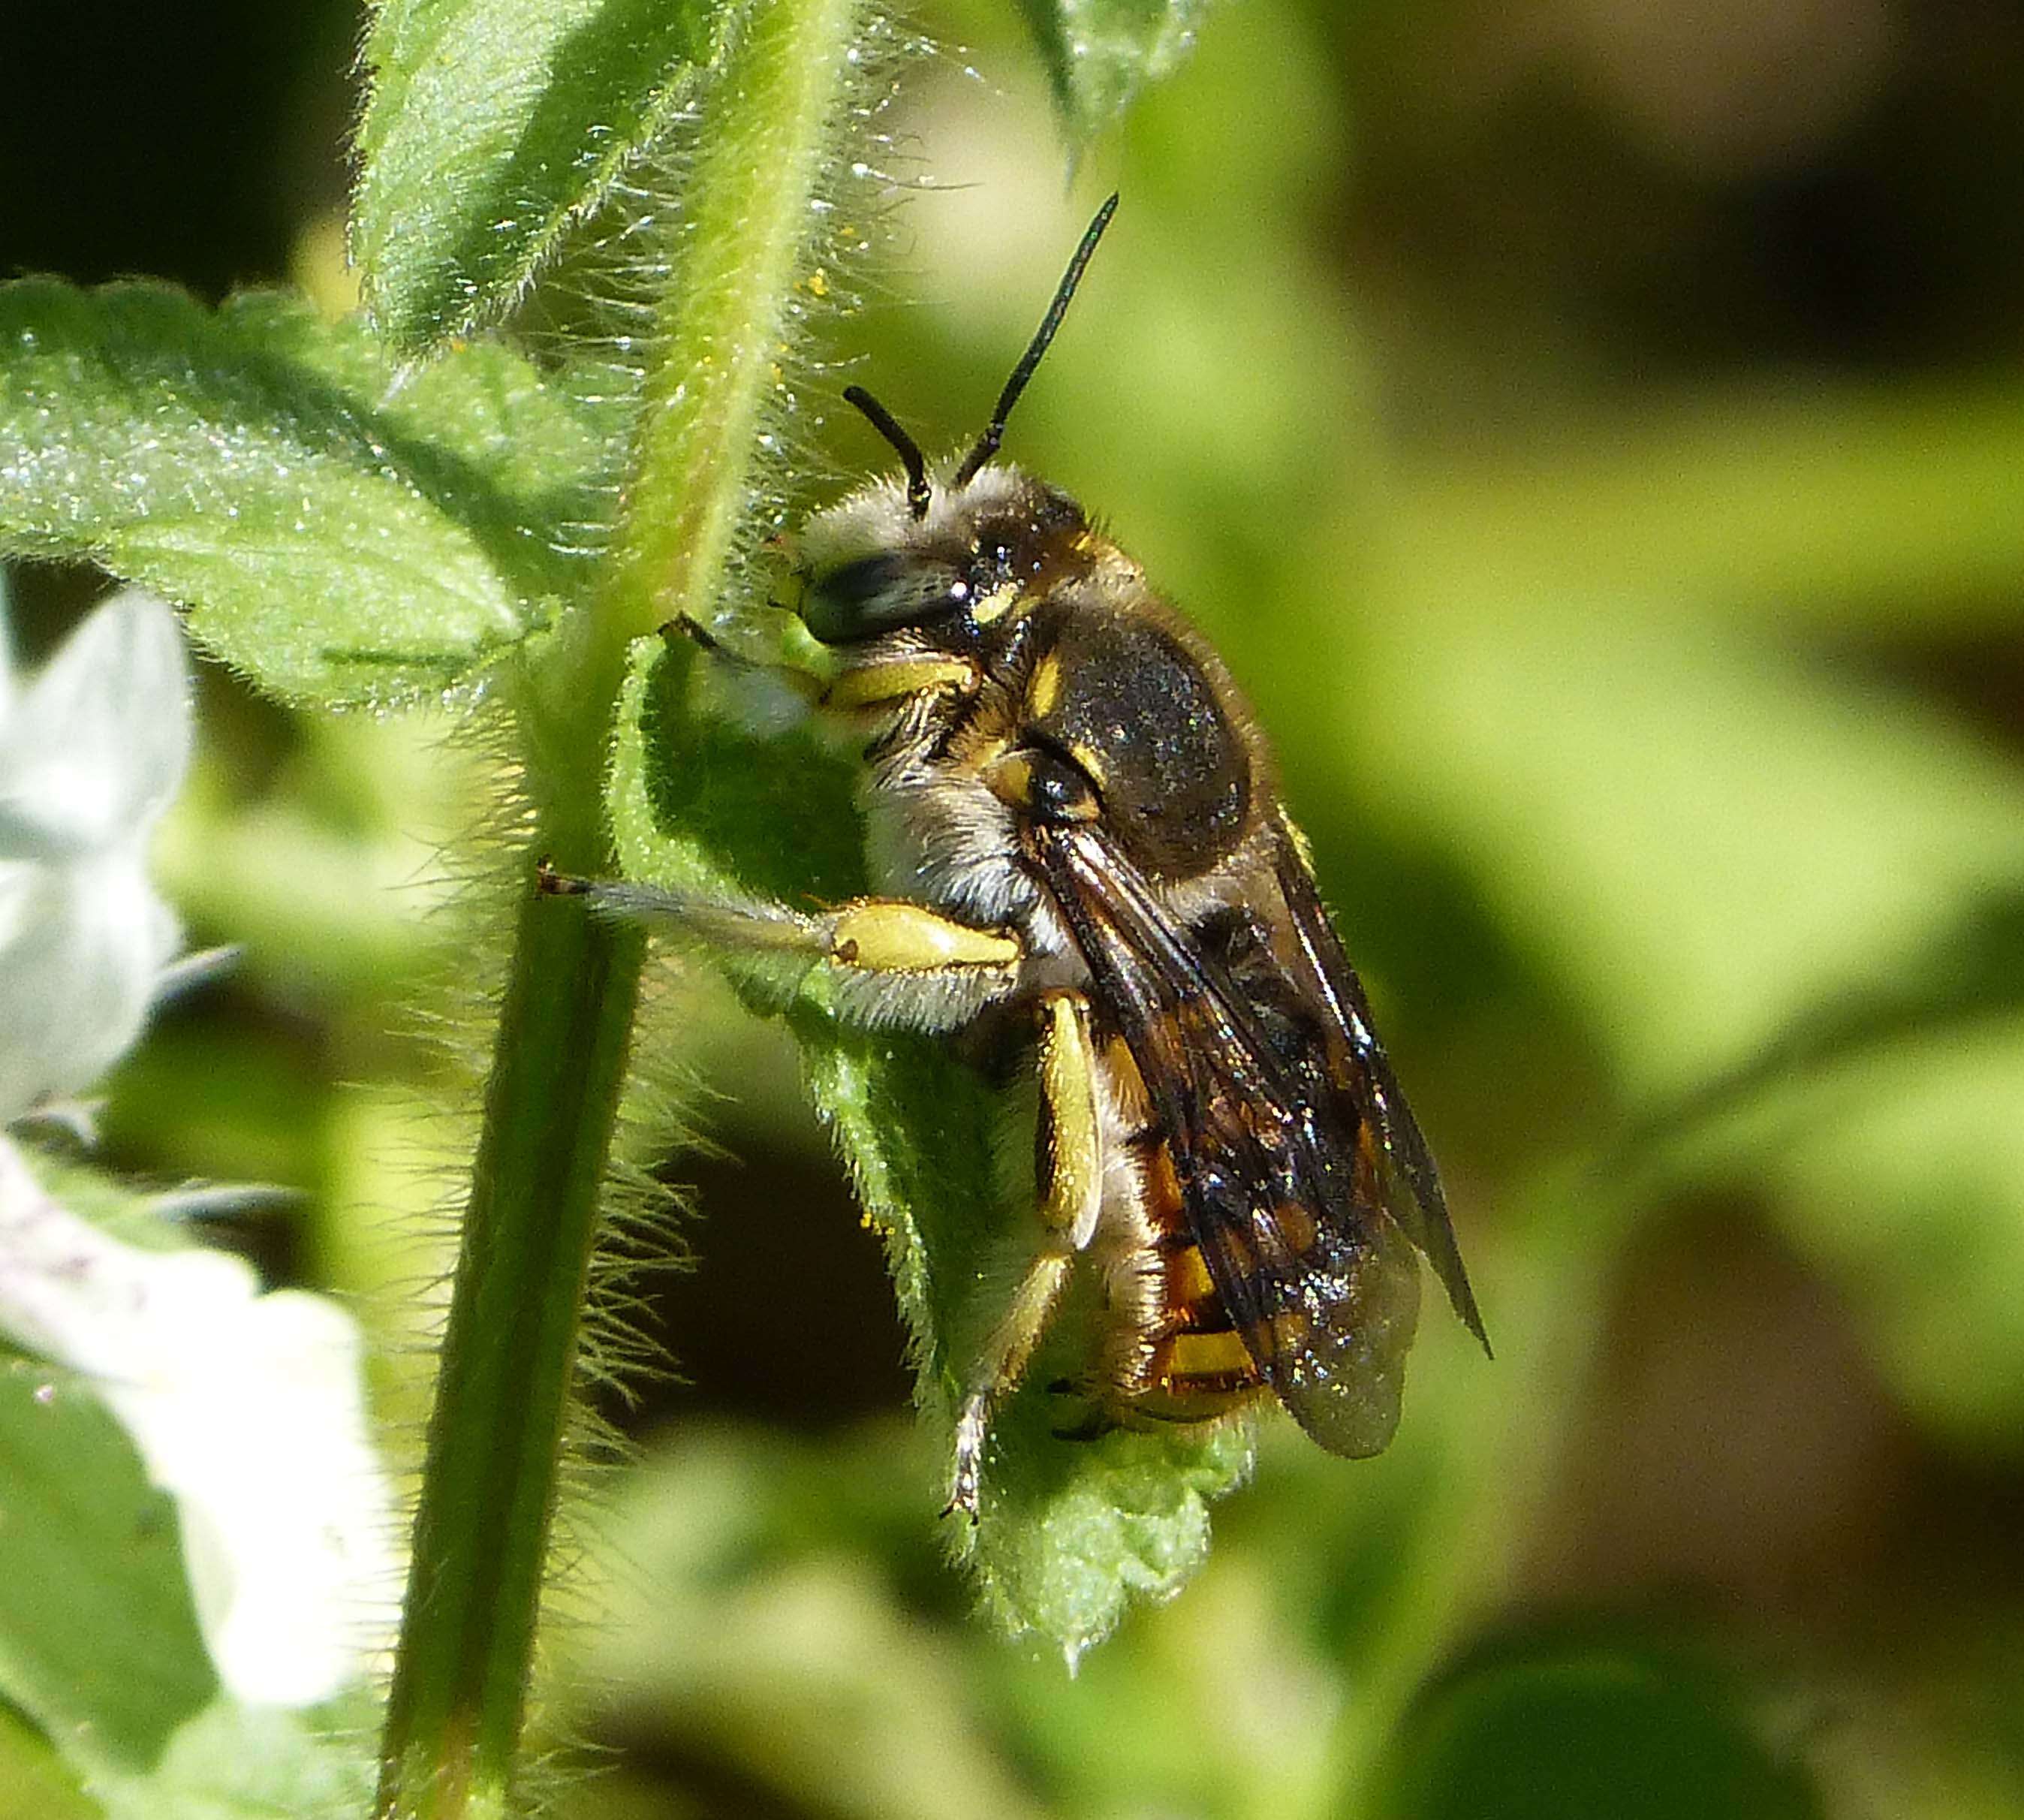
337,536
493,125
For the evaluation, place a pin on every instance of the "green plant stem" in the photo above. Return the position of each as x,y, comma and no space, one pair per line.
488,1492
501,1414
725,329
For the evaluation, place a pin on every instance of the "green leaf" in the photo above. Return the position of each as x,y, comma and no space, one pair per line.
34,1779
1898,1170
1070,1530
1785,901
745,1611
1556,1725
98,1639
240,1763
1100,53
494,125
337,538
1702,837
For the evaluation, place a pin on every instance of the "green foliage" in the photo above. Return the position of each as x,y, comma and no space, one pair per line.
1667,901
1100,54
99,1645
503,1410
344,528
98,1642
232,1762
336,540
495,125
1559,1727
34,1779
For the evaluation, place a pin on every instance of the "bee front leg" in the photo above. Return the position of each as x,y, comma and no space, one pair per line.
888,961
1068,1167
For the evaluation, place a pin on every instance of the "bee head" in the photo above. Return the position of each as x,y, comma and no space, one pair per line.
868,567
886,559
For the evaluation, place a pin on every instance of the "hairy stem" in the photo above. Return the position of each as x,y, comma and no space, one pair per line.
501,1414
722,331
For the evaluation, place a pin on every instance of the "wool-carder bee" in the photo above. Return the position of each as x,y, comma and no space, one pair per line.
1080,829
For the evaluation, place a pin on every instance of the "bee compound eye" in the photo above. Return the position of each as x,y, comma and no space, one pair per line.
869,595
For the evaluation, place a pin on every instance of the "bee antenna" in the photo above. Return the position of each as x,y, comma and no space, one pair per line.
888,426
994,433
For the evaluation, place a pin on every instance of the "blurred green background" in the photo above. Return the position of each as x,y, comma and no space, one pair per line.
1595,433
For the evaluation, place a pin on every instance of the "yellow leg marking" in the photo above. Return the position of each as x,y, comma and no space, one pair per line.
1070,1142
1071,1133
873,684
890,935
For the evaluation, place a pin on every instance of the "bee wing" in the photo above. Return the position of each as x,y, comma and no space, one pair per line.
1281,1196
1362,1073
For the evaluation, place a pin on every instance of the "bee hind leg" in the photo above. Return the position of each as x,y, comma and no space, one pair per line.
887,962
1069,1172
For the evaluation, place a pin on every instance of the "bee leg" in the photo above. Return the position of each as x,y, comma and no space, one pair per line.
1068,1168
888,961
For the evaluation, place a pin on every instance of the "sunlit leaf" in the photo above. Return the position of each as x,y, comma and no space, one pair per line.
493,125
337,539
748,1615
34,1779
1784,900
1071,1531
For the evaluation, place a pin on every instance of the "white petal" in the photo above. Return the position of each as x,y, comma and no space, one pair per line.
94,749
82,946
90,753
247,1408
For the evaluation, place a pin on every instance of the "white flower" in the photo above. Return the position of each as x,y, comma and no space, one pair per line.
247,1408
91,752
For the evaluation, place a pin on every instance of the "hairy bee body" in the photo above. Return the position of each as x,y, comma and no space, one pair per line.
1081,852
1051,750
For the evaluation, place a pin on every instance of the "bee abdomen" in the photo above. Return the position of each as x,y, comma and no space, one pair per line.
1200,1366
